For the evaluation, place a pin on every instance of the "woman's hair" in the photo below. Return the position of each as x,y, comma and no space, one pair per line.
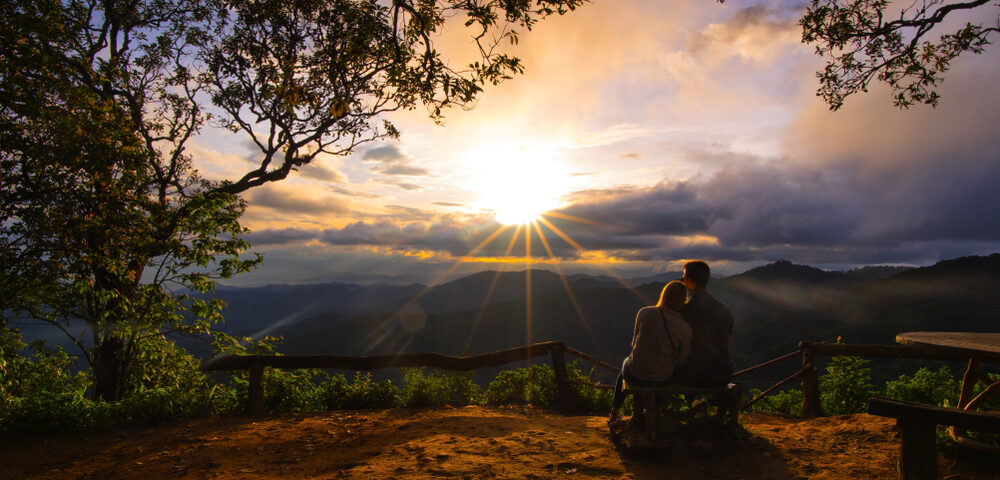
673,295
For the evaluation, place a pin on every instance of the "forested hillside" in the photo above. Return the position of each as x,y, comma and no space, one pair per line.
775,307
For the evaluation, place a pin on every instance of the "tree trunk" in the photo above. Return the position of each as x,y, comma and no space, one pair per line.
109,368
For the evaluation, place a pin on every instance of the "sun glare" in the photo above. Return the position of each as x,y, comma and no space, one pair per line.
517,184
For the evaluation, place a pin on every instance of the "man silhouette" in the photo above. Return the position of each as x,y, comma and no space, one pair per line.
709,364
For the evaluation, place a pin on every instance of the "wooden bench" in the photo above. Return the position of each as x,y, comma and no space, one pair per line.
727,398
917,427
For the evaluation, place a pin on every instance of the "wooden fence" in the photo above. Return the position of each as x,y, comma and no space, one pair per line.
256,364
810,375
808,351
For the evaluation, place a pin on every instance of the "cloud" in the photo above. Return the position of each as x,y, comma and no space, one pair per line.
750,34
408,186
695,132
295,200
352,193
318,170
445,235
391,161
666,208
281,236
769,210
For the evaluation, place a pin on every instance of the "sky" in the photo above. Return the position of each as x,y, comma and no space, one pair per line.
653,133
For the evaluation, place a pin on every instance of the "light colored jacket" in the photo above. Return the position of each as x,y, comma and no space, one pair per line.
661,341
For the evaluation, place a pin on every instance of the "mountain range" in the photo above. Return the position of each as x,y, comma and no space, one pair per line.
775,306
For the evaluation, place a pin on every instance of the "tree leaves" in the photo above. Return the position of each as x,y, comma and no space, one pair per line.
861,46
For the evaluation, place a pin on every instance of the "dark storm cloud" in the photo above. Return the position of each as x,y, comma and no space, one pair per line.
671,209
391,161
939,203
820,213
764,206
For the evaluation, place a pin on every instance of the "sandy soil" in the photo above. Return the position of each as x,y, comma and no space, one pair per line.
460,443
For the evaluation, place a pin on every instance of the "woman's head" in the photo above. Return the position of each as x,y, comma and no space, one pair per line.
673,295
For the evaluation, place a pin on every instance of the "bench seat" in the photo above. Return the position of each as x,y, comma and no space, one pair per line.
727,397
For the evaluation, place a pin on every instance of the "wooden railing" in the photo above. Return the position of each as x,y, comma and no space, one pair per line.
810,375
808,351
256,364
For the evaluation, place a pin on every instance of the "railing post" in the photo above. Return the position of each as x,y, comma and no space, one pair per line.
811,407
255,391
563,394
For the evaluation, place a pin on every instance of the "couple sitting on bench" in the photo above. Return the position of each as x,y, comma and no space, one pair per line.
682,340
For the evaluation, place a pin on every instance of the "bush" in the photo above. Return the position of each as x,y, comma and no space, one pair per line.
846,386
288,391
787,402
586,396
436,389
367,393
534,385
933,388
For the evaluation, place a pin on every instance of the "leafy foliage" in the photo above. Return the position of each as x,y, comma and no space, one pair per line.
535,385
787,402
846,386
861,43
932,388
586,396
105,225
436,389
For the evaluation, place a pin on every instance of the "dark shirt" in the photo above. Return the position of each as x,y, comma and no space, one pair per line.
711,327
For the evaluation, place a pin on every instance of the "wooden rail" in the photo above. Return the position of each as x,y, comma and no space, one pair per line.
256,364
557,350
917,425
810,377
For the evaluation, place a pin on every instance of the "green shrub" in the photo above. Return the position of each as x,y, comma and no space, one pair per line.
933,388
846,386
160,363
534,385
585,395
436,389
786,402
334,391
287,391
367,393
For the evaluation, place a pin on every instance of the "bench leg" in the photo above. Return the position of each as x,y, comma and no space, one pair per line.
734,397
919,449
647,403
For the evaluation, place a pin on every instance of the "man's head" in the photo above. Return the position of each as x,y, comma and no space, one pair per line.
696,275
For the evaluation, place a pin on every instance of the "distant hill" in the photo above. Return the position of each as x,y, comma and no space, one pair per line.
786,271
775,307
293,310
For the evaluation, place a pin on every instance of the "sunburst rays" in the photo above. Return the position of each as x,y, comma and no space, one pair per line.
384,330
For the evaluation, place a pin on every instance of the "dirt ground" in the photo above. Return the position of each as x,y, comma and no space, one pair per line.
460,443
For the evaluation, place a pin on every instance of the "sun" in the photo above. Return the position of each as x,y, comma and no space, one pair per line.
517,184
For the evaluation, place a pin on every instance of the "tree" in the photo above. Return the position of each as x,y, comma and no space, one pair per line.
861,45
105,222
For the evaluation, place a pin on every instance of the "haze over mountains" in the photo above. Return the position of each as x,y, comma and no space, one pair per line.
775,306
